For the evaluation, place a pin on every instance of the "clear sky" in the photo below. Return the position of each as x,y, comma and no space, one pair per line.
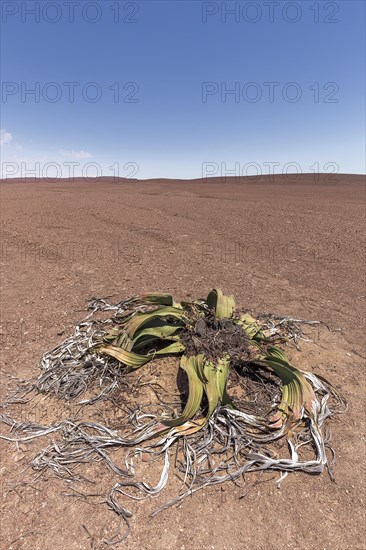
142,88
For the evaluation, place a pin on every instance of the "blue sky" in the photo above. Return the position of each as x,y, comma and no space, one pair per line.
143,90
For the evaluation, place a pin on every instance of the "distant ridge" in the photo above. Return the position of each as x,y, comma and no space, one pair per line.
287,179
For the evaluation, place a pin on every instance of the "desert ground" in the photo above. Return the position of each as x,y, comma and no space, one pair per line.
288,247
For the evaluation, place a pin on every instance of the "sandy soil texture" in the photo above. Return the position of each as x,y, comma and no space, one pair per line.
292,248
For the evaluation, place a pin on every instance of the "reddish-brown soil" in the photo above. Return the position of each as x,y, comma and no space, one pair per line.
288,248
